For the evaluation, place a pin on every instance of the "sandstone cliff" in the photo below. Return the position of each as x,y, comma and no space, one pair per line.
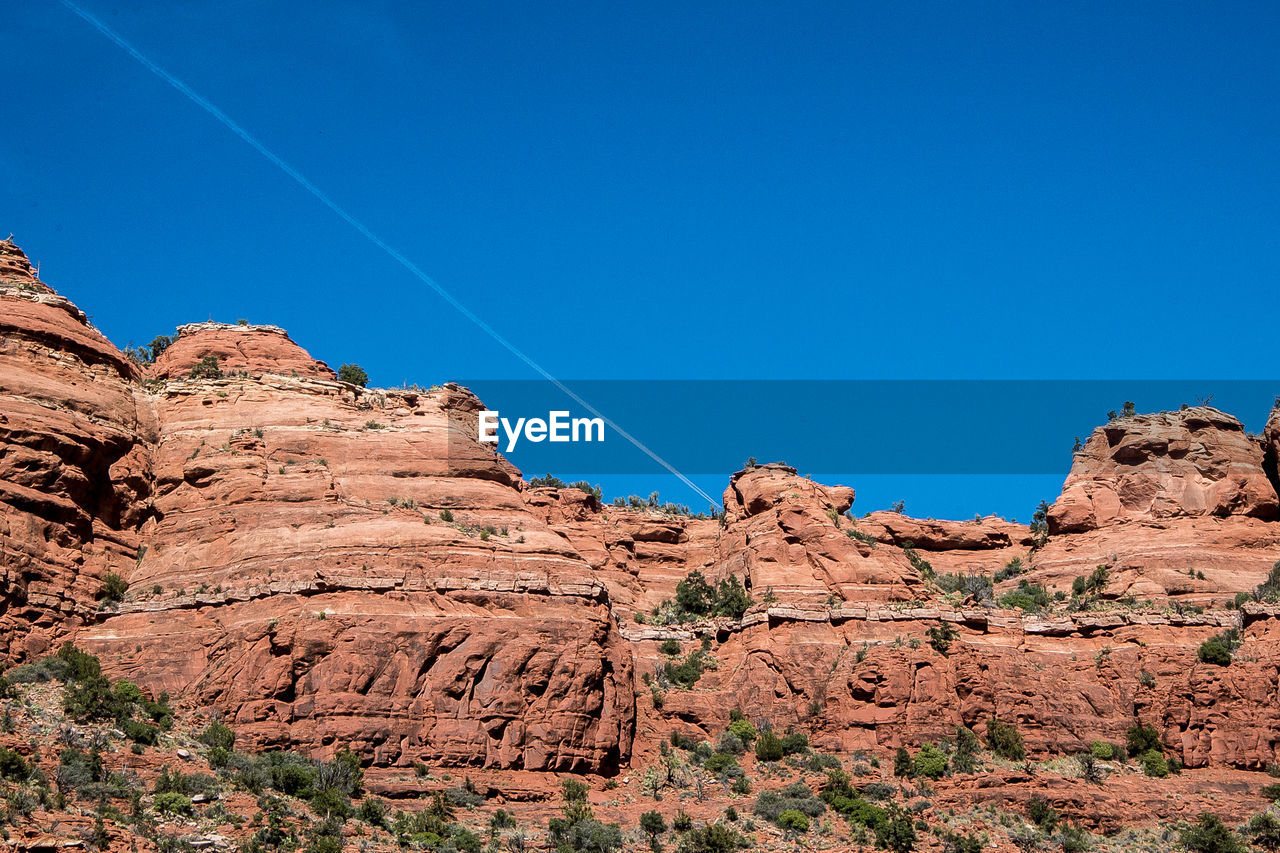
1177,505
336,566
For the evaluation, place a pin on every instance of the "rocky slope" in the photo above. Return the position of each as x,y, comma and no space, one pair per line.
331,566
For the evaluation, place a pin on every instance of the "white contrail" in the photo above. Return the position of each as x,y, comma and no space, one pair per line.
409,265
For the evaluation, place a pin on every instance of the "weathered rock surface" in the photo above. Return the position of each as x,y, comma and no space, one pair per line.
877,683
255,350
786,535
300,573
74,461
1194,462
1175,504
333,566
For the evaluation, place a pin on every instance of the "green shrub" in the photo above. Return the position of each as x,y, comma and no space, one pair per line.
819,761
353,373
173,803
1153,764
680,740
930,762
81,666
218,733
587,835
218,757
373,811
694,595
1028,597
794,742
730,743
291,774
769,747
39,672
77,769
1269,590
1040,525
1270,792
652,824
712,838
206,368
13,766
140,732
902,763
1097,580
731,599
920,564
940,637
964,758
1005,740
743,730
793,821
1218,649
330,802
1264,830
158,345
1102,750
587,488
1142,738
794,797
686,673
466,796
1209,835
669,647
719,762
978,587
896,833
864,538
113,588
1041,813
1074,839
1011,569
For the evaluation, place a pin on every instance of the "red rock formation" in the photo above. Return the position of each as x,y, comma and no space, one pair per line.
1174,504
255,350
1194,462
334,566
785,534
869,678
301,574
74,461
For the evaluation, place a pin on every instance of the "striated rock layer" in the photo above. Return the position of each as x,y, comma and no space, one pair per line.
75,438
336,566
1176,505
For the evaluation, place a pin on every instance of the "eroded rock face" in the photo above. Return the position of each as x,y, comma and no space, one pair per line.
1195,462
986,534
1176,504
333,566
238,349
877,683
788,537
1271,447
74,461
301,573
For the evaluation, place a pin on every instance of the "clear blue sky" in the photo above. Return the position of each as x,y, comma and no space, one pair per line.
745,190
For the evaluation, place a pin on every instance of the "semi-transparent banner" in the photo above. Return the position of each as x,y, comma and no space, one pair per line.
866,426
